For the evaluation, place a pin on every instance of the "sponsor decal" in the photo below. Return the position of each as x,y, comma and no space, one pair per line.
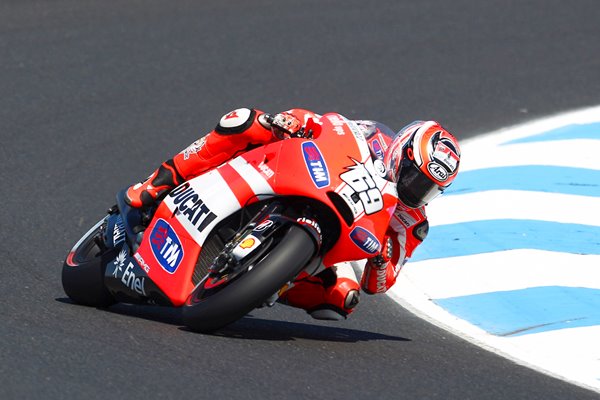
166,246
377,149
142,263
406,219
232,114
381,279
246,246
192,207
266,170
194,148
347,194
267,223
445,155
315,164
247,243
119,262
356,131
365,240
437,171
132,281
312,223
235,118
365,189
118,231
338,124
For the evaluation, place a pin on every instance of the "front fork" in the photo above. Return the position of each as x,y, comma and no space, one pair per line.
256,238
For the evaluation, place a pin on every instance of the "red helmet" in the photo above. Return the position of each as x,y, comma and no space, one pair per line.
423,160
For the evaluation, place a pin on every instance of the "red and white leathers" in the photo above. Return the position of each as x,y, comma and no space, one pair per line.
333,293
408,228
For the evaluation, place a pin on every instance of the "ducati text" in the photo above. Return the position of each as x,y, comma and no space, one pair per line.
192,206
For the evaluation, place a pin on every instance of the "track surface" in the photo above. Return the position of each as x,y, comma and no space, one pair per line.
95,94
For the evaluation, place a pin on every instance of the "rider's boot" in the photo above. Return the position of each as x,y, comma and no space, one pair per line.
155,187
329,295
238,131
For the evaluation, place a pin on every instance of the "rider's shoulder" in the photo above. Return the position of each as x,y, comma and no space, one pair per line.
410,216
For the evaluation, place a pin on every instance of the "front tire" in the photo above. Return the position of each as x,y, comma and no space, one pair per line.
283,262
83,270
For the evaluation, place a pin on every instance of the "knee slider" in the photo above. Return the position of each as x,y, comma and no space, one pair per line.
352,299
236,121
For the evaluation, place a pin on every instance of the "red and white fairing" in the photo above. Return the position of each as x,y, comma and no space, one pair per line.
337,160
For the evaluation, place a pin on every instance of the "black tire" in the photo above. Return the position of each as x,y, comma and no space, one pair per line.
83,271
285,260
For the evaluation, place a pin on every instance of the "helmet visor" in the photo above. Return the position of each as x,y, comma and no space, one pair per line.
415,189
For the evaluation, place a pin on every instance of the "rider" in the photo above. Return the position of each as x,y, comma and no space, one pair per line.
421,159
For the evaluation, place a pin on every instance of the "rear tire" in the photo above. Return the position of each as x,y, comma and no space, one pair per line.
83,271
285,260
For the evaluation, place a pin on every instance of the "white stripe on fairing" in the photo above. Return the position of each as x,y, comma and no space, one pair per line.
514,204
218,197
255,180
577,153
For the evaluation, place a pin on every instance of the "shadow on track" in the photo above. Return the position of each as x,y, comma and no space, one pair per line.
252,328
263,329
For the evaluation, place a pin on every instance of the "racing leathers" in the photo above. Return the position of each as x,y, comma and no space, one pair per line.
334,292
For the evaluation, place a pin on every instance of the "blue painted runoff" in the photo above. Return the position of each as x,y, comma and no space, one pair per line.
539,178
487,236
526,311
575,131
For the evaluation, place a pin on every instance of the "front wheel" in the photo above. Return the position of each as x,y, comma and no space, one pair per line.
208,309
83,270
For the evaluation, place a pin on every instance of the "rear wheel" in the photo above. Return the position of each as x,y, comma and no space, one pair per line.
215,303
83,270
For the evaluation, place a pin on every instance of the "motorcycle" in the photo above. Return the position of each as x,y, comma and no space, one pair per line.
236,237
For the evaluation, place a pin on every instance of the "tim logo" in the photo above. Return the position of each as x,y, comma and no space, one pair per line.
315,164
166,246
377,149
365,240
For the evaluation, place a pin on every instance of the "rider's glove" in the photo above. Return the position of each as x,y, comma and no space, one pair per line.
378,275
286,125
385,255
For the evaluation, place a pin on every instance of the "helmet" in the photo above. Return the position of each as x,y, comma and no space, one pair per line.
423,160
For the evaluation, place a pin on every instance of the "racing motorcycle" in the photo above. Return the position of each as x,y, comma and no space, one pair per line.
235,238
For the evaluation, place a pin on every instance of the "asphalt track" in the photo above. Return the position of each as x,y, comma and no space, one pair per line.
95,94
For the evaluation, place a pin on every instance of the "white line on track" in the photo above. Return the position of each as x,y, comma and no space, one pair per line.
577,360
515,204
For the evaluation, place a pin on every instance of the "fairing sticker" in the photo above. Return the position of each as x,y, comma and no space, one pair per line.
166,246
365,240
315,164
377,149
